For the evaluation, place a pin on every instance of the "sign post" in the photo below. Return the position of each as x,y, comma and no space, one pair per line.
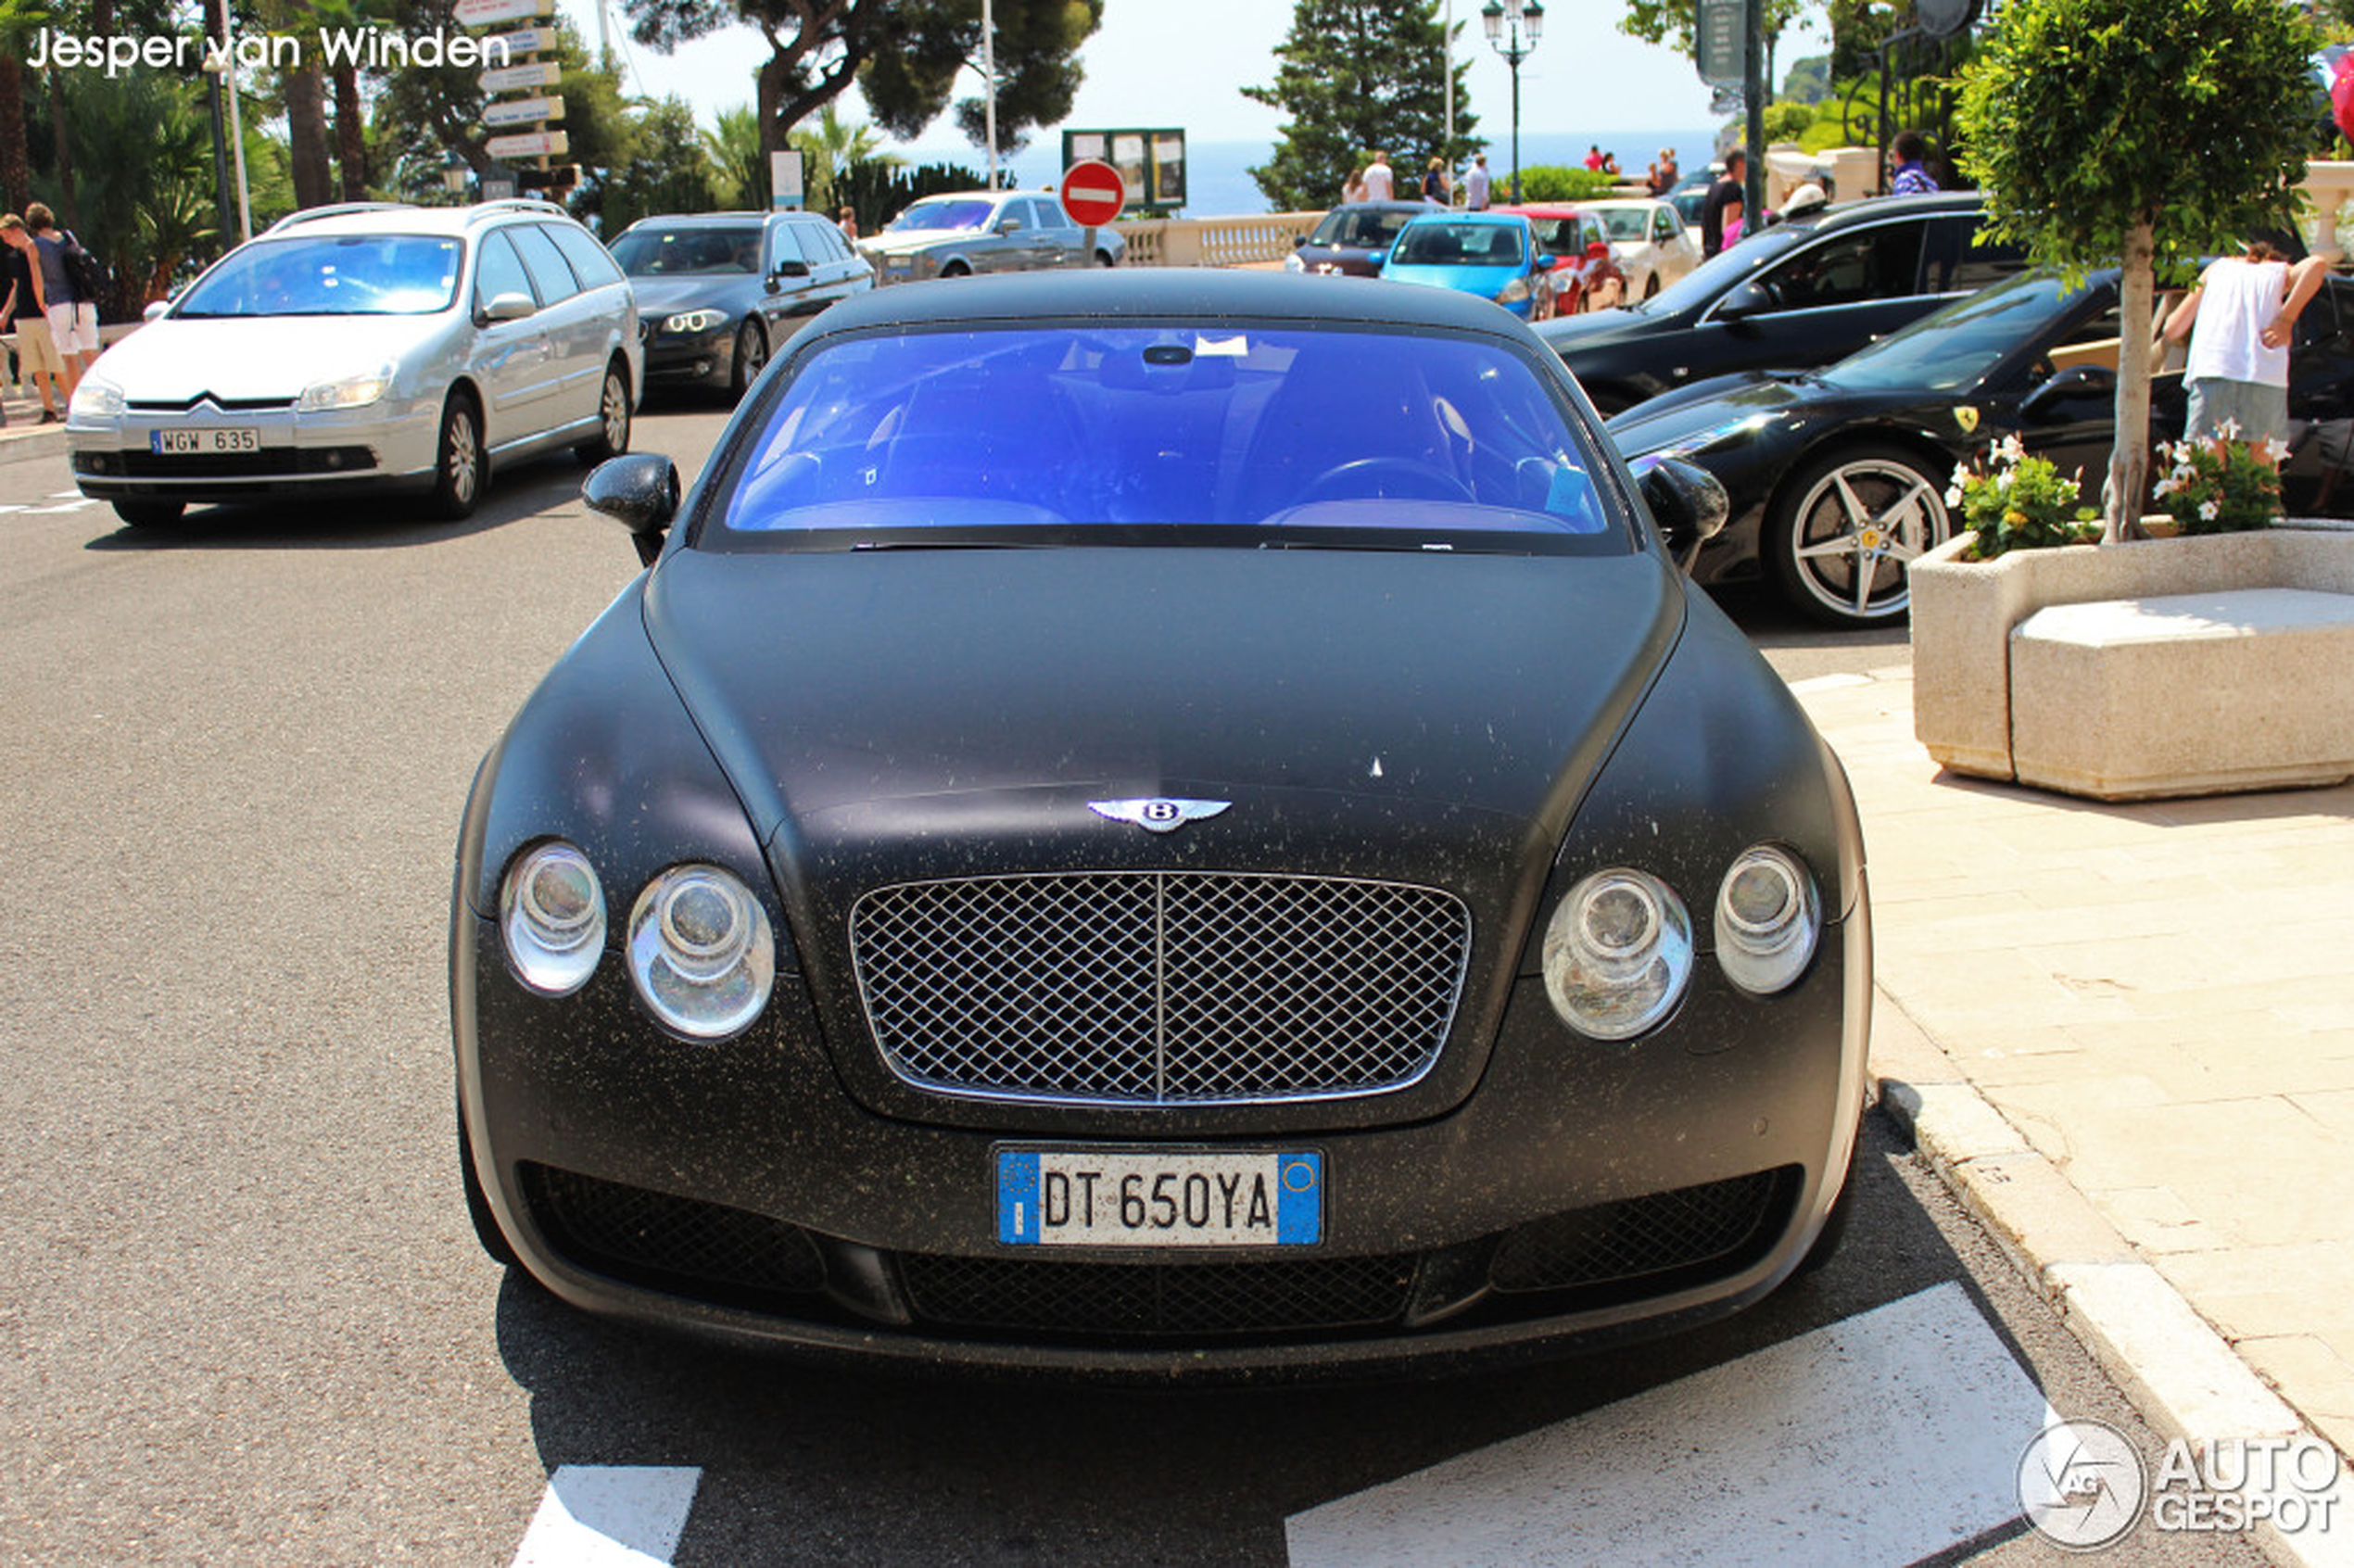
1092,195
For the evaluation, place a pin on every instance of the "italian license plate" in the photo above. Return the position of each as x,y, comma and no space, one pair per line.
1159,1197
204,439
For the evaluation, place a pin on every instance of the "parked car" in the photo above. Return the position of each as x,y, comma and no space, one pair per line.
1804,293
718,290
1838,478
1585,275
1649,240
1166,822
362,348
1353,239
968,231
1493,255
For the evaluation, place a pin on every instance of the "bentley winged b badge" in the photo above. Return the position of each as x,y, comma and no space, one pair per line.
1158,815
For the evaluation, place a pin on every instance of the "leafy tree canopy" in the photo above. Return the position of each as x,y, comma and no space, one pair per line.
1354,75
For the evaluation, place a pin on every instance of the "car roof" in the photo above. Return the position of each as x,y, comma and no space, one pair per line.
402,218
1500,217
1544,209
1867,210
1601,202
1415,206
722,220
1149,294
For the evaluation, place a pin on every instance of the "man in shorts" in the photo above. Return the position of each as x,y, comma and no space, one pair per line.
73,321
37,350
2239,321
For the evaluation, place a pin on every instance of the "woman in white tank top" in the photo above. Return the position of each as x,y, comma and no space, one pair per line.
2239,321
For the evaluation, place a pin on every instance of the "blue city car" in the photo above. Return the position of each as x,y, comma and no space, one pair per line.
1162,823
1494,256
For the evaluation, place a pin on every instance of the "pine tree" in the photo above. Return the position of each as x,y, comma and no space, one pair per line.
1354,75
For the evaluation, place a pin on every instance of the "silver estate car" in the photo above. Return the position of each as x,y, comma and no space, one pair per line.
964,231
370,347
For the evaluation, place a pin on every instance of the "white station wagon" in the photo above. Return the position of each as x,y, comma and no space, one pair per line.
372,347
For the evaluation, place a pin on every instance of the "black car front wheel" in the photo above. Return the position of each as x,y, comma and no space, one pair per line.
1844,530
751,357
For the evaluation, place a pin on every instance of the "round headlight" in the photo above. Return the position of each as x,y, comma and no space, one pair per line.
1768,919
701,952
552,914
1618,953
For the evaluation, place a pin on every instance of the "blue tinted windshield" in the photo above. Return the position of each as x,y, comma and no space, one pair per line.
343,275
1439,243
1423,439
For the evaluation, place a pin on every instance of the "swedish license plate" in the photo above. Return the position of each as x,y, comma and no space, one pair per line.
204,439
1156,1198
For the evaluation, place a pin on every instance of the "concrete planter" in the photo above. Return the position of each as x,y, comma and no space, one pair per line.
2189,678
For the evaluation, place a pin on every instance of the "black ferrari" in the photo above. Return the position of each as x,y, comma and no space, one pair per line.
1839,477
1164,823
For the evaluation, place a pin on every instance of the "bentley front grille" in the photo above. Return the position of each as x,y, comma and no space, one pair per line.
1159,987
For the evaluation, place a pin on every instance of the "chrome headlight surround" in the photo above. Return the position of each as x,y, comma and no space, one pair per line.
1768,919
701,952
552,914
1618,953
690,323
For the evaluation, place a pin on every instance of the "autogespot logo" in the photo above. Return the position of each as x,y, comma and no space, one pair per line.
2082,1484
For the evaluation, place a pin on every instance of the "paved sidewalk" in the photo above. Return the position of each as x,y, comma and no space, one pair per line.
2158,1001
22,436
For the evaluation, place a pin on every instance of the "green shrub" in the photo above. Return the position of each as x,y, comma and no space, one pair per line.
1553,181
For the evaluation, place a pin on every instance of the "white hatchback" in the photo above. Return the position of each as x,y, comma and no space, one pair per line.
1652,247
372,347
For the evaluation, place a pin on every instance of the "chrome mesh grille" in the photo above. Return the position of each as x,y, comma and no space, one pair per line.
1159,987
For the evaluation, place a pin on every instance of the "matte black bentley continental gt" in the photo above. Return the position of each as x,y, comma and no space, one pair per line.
1161,823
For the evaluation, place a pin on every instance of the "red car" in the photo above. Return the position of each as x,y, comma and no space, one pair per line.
1586,276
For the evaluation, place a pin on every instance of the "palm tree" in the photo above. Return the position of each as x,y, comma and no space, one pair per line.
832,147
20,20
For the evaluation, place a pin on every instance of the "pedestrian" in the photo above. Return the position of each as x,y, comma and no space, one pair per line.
1664,172
1437,189
1476,185
1722,208
1911,151
73,321
2239,321
36,349
1594,158
1380,183
1609,164
1353,188
847,222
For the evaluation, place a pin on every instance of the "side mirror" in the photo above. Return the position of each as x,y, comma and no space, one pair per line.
1298,240
1008,225
2076,381
793,269
641,492
1687,503
510,307
155,307
1745,300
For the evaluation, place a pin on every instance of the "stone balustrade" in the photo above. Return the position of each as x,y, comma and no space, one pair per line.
1262,240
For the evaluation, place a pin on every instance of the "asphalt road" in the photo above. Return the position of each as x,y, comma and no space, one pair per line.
244,1318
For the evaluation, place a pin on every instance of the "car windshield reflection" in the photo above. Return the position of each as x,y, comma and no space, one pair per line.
1720,272
663,253
1170,435
952,213
1957,347
1428,244
347,275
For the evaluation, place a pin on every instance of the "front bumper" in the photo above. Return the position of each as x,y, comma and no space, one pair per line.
703,359
1582,1192
372,449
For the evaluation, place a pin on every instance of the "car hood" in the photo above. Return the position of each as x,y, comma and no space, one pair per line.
257,357
1487,280
1565,334
662,296
1675,417
900,241
977,701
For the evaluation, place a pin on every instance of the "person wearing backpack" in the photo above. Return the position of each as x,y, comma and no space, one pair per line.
69,283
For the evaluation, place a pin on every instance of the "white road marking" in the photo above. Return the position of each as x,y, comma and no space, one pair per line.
44,511
1883,1438
608,1516
66,494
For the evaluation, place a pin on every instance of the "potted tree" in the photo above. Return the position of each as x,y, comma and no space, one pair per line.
2143,134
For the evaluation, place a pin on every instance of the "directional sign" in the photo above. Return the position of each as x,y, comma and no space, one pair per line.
507,79
1092,193
1723,58
482,13
523,111
535,143
524,41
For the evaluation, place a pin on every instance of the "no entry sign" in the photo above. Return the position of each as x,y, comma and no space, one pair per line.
1092,193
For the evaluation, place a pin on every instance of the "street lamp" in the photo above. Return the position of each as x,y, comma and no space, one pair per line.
1514,27
453,174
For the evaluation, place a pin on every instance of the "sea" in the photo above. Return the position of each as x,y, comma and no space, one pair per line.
1218,174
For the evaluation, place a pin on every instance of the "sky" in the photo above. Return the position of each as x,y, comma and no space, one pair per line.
1182,62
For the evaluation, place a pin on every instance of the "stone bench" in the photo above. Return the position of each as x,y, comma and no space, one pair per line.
2185,693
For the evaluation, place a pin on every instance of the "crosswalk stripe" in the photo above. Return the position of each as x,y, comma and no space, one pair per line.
610,1516
1883,1438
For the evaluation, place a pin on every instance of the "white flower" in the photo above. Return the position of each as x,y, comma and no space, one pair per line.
2011,450
2271,449
1953,496
2230,430
2002,481
2208,510
2167,485
1961,475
